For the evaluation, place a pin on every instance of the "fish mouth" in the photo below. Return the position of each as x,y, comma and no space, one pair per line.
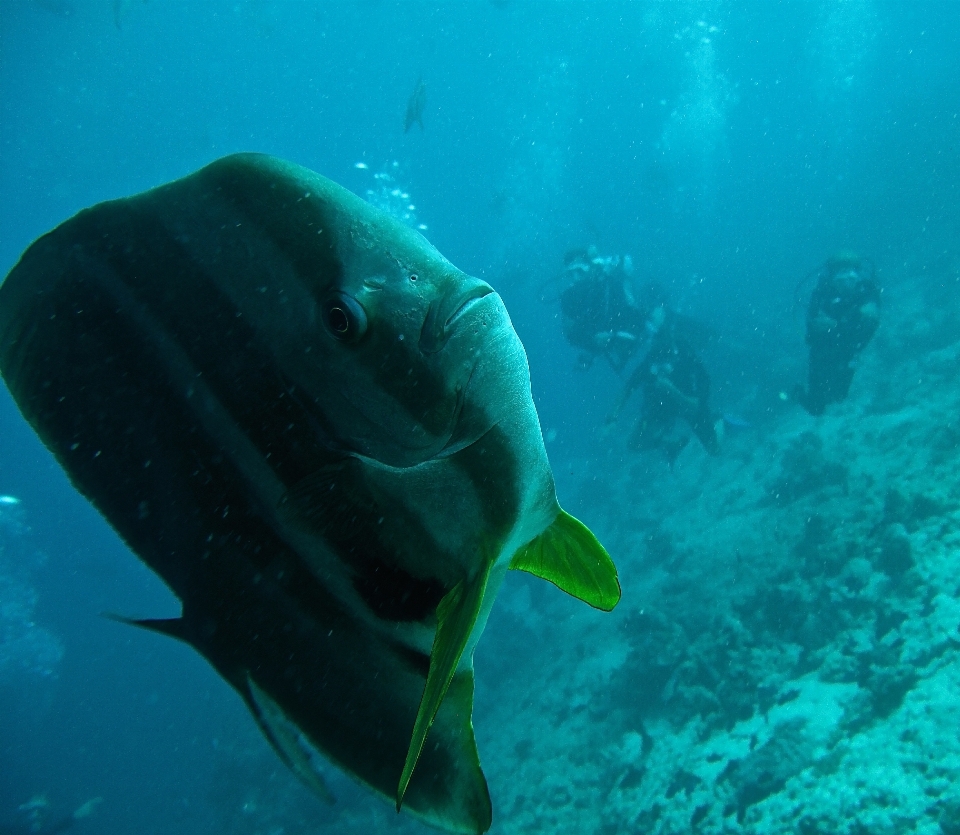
468,300
444,313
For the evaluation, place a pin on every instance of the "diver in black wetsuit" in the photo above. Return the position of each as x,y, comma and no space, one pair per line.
842,317
601,312
676,390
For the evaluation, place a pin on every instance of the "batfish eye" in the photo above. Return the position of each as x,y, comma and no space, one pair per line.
345,318
413,276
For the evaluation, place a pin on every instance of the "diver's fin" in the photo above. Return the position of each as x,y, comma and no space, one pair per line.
456,616
171,627
286,739
569,556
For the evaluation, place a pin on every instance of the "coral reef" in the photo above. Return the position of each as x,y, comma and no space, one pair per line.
787,655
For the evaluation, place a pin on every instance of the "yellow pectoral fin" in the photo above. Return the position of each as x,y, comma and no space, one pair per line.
569,556
456,616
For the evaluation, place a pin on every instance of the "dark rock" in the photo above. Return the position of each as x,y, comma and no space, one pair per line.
633,777
888,687
896,508
698,815
950,819
683,781
896,555
805,470
523,748
925,507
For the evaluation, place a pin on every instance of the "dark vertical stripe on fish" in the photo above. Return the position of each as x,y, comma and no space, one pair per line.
187,303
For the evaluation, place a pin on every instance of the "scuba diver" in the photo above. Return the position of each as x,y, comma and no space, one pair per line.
601,313
842,317
676,390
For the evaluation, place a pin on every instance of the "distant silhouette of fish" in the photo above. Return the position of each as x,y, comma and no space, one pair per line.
121,8
735,422
415,105
321,435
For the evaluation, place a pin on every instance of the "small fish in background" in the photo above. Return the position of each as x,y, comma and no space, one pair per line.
501,201
120,10
415,105
736,423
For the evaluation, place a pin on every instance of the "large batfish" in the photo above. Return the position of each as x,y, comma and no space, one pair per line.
321,435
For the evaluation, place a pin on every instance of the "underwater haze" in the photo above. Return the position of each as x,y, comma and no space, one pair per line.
786,654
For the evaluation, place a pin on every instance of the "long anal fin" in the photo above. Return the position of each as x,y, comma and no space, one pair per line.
568,555
456,616
286,739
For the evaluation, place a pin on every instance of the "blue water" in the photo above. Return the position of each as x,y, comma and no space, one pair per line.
728,147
